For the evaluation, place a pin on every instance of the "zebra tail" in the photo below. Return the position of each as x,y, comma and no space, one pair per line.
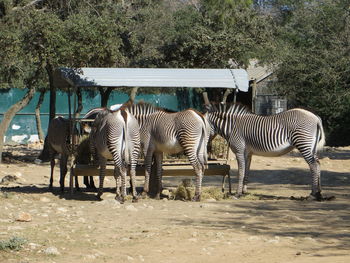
203,146
321,138
125,142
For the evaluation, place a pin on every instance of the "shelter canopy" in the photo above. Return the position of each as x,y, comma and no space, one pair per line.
152,77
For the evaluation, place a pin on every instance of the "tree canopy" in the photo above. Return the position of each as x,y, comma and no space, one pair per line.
307,42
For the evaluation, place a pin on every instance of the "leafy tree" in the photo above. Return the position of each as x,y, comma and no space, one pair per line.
313,60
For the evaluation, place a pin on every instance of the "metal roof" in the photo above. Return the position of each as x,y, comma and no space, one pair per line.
257,72
152,77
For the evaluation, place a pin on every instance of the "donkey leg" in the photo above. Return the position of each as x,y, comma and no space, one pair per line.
52,165
63,170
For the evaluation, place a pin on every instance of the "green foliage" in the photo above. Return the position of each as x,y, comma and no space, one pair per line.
314,62
14,243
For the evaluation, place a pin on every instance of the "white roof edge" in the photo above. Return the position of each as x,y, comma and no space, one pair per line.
156,77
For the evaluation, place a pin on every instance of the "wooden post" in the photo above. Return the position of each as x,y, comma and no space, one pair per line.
235,96
227,92
205,98
254,96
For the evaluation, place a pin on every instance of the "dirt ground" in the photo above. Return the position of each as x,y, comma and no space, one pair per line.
267,226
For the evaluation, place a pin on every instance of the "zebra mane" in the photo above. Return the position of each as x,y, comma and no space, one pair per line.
232,109
147,107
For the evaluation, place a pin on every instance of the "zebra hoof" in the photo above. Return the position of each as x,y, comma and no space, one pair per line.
144,195
315,197
120,199
237,196
135,199
98,197
196,198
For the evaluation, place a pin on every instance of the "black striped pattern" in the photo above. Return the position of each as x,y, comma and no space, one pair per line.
274,135
115,135
172,132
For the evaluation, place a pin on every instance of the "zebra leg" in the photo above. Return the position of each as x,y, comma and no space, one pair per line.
119,173
133,182
102,176
63,170
314,164
117,180
241,172
199,176
246,175
159,159
148,167
198,166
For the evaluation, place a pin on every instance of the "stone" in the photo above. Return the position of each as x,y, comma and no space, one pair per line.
45,199
24,217
8,179
51,251
166,192
131,208
33,246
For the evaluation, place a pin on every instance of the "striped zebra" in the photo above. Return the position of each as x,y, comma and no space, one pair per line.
115,135
275,135
162,131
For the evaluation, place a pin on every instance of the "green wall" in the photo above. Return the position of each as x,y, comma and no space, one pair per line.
23,127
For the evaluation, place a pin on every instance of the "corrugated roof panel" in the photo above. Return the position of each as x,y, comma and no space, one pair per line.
155,77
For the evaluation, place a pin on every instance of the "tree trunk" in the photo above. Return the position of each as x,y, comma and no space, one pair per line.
49,71
10,114
44,155
105,92
37,116
80,103
133,93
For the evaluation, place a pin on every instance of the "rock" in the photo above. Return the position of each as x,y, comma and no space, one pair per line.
131,208
210,200
45,199
62,209
14,228
51,251
130,258
253,238
33,246
24,217
8,179
38,161
81,220
166,192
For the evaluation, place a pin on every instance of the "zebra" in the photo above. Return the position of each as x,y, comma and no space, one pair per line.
115,135
163,131
58,139
274,135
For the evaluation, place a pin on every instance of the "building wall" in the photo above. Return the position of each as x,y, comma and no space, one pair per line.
267,102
